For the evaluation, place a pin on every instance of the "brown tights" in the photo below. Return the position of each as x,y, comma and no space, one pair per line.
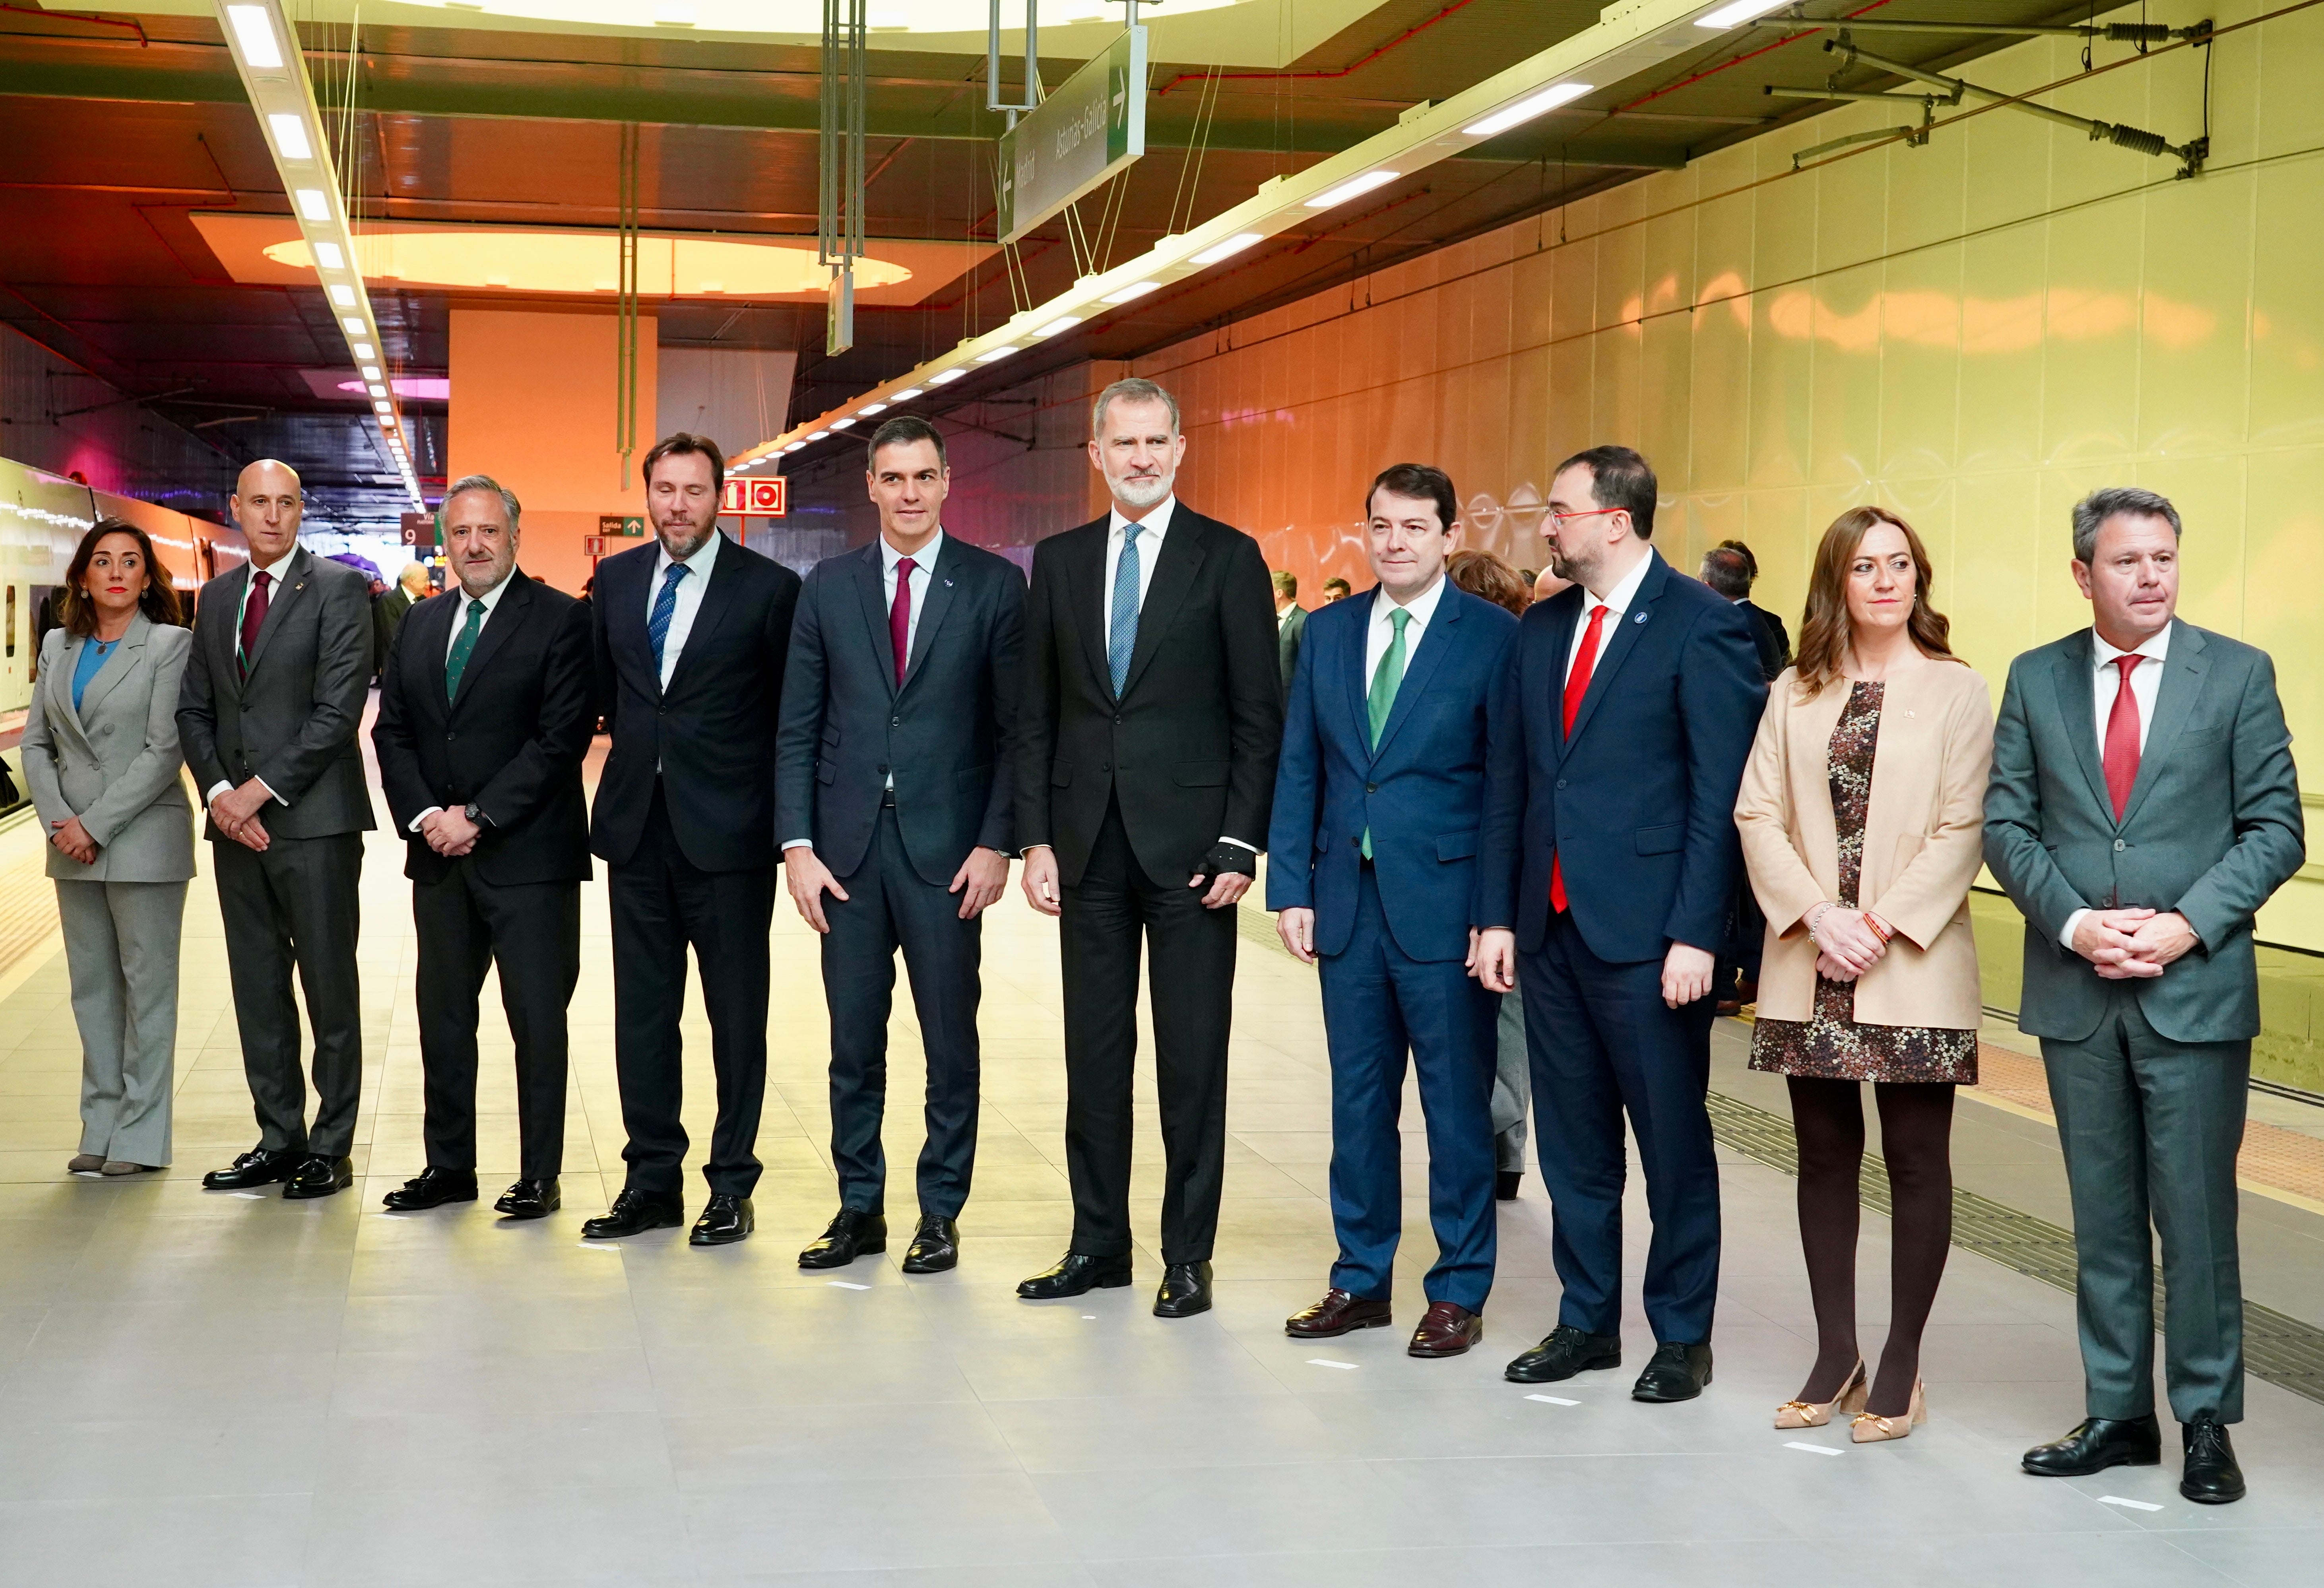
1916,1120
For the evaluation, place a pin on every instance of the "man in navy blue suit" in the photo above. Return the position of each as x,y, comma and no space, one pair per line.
1379,794
1626,713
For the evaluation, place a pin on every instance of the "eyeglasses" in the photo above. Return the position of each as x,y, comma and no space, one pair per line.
1563,519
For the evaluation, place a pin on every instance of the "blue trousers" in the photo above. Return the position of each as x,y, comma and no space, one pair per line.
1378,1004
1603,1043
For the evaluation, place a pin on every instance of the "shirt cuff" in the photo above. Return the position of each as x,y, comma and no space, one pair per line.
2066,933
1239,844
278,798
216,789
791,844
413,826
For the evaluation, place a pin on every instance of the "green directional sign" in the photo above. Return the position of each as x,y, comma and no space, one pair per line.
1085,131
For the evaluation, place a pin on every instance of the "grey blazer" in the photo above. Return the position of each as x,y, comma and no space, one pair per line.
293,722
115,762
2211,829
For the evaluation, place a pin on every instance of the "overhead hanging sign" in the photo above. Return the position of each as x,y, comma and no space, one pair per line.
1089,129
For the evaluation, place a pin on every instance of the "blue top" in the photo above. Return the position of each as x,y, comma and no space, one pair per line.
93,654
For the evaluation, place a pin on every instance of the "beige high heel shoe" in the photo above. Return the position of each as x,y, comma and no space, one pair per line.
1868,1429
1815,1413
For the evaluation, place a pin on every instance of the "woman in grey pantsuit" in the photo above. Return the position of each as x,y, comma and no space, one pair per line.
101,754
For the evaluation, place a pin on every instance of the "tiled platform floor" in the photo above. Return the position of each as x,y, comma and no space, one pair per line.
213,1390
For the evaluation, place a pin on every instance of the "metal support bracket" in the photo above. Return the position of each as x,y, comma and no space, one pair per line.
839,241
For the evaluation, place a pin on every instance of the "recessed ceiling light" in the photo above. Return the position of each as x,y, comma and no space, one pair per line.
843,424
818,435
993,355
366,350
314,203
1354,188
383,406
371,372
351,324
255,35
794,446
343,295
1526,109
376,391
1059,326
291,137
329,256
1135,289
1229,248
1742,11
945,377
869,409
905,395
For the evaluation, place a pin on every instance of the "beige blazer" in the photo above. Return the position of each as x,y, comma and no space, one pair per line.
115,762
1924,840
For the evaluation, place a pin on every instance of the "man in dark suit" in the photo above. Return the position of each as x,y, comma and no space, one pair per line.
894,794
1752,609
484,716
1630,703
1378,800
388,612
691,634
2143,806
1153,710
268,710
1290,622
1730,570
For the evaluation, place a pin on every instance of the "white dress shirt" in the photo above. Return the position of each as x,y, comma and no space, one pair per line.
688,600
1617,602
1381,631
273,570
2105,683
1150,530
924,561
491,600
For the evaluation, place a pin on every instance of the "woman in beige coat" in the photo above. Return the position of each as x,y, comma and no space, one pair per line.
1862,819
101,756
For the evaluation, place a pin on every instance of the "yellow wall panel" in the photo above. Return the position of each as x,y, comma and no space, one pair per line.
2090,334
2195,316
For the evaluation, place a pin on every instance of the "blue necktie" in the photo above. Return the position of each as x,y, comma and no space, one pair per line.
664,604
1123,638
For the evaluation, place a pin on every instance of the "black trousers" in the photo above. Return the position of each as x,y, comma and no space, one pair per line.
296,906
660,903
533,931
890,906
1190,960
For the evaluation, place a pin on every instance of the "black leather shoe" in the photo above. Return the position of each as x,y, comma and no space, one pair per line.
2096,1444
317,1176
1568,1351
726,1219
530,1199
1676,1372
936,1246
634,1212
1076,1275
260,1165
433,1188
2211,1476
1185,1290
1506,1183
851,1233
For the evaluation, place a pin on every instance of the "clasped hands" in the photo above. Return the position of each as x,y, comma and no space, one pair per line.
2132,944
450,833
1849,942
236,813
73,839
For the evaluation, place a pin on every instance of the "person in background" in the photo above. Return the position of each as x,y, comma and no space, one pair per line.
1862,863
1290,619
2144,806
894,795
484,715
387,611
101,758
1608,860
1729,569
1751,579
272,701
1336,588
1547,583
1374,880
1491,578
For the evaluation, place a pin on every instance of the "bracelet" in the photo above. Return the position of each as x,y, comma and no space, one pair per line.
1814,917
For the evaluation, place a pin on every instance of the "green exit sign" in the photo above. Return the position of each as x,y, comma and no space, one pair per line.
609,524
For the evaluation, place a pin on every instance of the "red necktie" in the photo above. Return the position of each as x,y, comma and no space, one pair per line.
2122,737
253,616
900,617
1577,685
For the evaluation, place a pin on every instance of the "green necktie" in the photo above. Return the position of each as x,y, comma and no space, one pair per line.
457,662
1382,699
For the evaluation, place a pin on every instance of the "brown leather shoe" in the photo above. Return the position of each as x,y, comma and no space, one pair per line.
1445,1329
1337,1314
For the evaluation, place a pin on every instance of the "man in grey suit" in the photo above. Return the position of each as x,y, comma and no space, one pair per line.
894,794
273,693
2143,807
1290,622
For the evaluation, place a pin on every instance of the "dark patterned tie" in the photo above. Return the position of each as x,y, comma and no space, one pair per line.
462,648
899,618
664,604
254,618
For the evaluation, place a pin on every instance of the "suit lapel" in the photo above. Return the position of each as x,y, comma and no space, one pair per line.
625,614
297,574
717,595
935,605
1358,688
1614,647
1086,593
871,587
506,615
2184,669
1435,640
1175,568
117,666
2077,705
58,682
431,631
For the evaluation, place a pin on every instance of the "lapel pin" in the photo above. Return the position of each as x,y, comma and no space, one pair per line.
1639,619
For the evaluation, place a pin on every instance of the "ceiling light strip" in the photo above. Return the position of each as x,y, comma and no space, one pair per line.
273,68
1629,39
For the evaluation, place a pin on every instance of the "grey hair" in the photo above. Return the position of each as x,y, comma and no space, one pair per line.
2091,512
509,503
1727,571
1133,390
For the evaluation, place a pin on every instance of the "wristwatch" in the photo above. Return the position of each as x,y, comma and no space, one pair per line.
475,815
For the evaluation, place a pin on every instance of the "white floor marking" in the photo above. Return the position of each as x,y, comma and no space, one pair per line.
848,1285
1554,1399
1804,1445
2126,1504
1325,1361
